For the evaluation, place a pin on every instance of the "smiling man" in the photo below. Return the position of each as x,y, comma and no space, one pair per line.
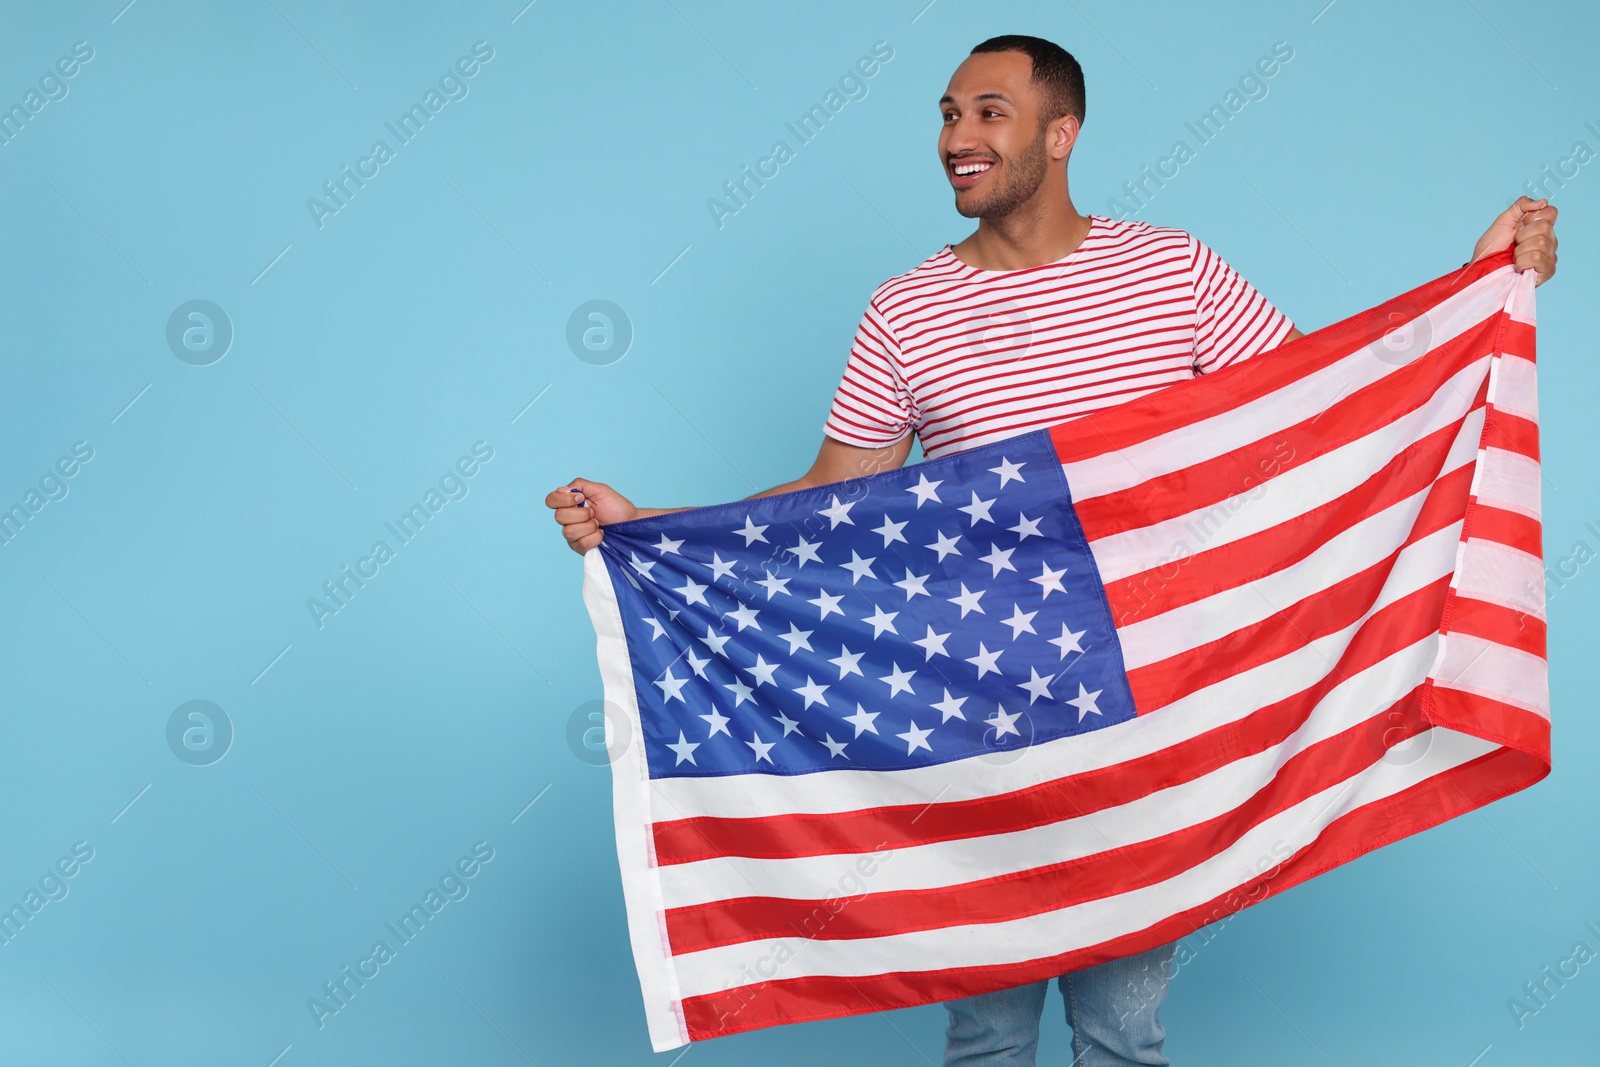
1041,315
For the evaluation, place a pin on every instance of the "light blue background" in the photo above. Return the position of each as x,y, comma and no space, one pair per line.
426,315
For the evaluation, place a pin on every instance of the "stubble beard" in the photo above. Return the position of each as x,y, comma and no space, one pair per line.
1024,176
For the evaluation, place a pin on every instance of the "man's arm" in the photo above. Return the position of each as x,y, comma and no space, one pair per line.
835,462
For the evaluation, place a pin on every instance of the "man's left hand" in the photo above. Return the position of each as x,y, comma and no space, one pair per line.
1528,227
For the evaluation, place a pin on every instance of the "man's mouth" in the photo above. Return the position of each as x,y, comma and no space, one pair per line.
966,173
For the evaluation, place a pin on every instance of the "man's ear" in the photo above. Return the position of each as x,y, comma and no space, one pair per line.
1061,136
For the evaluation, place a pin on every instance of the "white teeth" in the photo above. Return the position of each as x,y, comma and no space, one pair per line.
964,169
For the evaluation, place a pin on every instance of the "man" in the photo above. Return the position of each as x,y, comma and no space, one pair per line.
1040,315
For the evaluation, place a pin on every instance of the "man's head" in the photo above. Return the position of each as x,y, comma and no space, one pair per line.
1011,113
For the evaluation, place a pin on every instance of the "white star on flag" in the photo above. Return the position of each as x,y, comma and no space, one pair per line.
945,545
898,680
671,688
797,639
1050,580
1037,686
968,600
1009,471
827,602
932,644
762,671
684,748
693,592
1020,620
1068,641
696,664
881,621
805,552
950,706
744,616
1026,527
916,738
978,510
846,662
858,567
812,693
1085,702
985,660
998,558
913,584
1004,723
761,747
774,586
751,532
715,643
838,513
924,490
862,720
890,531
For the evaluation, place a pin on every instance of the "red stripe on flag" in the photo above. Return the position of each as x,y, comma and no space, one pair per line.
1493,720
1494,622
1518,340
1511,528
1512,433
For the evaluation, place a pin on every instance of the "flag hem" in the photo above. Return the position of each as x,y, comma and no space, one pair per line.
630,805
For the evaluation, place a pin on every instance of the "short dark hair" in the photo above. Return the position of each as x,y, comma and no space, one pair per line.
1054,70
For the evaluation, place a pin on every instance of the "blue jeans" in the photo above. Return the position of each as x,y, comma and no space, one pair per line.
1111,1009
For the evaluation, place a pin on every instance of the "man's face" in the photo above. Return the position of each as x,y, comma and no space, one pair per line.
991,144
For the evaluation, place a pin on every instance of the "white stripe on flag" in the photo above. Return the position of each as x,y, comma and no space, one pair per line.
1500,574
630,803
1496,671
1509,480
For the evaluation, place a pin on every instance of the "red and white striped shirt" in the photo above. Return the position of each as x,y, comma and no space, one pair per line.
967,356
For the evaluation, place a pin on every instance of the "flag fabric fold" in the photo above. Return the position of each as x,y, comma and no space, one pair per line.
1067,696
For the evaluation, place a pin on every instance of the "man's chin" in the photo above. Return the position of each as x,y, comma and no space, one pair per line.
970,209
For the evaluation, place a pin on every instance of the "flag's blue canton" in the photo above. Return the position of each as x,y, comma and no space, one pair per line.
944,610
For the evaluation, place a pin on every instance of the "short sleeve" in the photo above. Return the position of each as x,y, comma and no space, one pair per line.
1232,320
872,406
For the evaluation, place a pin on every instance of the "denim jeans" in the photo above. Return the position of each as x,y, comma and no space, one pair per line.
1111,1009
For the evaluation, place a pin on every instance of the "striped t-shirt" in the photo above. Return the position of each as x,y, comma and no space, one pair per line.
966,356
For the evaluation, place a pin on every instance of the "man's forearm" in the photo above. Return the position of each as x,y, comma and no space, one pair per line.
798,483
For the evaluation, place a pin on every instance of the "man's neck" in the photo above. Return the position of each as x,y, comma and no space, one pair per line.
1031,236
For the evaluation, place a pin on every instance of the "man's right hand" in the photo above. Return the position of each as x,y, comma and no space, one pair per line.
581,525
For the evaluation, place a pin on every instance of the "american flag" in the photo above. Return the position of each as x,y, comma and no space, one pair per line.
1073,694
